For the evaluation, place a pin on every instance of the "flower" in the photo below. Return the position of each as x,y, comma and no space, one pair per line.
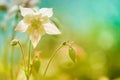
21,75
36,23
13,7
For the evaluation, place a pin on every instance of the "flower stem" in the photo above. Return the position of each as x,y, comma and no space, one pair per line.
12,56
12,64
28,66
22,52
51,58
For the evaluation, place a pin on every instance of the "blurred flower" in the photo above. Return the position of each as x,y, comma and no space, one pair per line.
36,23
3,2
3,5
12,11
80,52
21,75
27,3
33,2
64,55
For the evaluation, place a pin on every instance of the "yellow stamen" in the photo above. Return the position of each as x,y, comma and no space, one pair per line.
36,23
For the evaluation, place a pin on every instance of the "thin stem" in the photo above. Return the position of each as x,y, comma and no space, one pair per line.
28,69
12,56
12,50
22,52
51,58
12,64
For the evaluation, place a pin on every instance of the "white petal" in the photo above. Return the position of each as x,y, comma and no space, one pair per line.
46,11
21,27
26,11
14,8
12,11
35,38
50,28
21,75
34,2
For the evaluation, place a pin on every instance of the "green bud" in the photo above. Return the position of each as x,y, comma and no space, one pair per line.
14,42
64,43
72,54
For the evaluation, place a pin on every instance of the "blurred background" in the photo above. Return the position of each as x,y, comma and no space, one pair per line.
93,26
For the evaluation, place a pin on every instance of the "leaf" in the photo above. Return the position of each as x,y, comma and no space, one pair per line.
72,54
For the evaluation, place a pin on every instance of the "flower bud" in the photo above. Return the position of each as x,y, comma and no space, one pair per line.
64,43
14,42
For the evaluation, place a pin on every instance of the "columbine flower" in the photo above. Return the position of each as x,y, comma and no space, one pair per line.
36,23
14,6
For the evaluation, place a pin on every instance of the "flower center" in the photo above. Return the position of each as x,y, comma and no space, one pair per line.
36,23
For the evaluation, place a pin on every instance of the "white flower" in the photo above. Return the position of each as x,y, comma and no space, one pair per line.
14,6
21,75
36,23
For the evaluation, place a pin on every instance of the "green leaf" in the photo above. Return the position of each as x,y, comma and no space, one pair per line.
72,54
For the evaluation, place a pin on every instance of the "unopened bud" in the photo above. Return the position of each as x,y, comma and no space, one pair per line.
64,43
14,42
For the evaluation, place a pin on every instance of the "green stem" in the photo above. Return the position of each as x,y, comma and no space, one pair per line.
22,52
12,64
12,56
28,69
51,58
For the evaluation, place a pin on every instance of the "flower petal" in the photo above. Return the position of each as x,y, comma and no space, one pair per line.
35,37
21,75
12,11
26,11
46,11
21,27
50,28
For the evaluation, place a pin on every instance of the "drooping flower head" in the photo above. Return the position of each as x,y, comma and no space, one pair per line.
36,23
